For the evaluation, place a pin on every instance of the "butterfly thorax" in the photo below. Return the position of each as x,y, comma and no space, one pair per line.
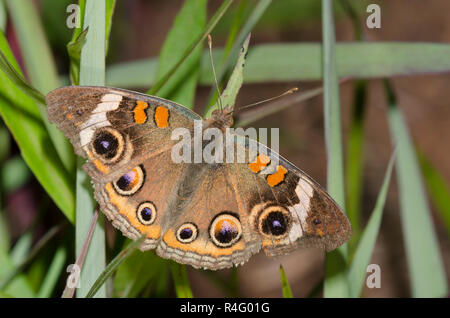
220,118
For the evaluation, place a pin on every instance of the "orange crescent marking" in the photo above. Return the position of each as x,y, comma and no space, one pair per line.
277,177
161,117
128,211
261,162
140,116
100,166
199,247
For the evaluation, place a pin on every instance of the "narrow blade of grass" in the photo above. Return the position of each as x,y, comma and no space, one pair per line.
92,72
69,291
79,38
180,280
209,27
19,81
438,189
302,62
17,287
355,161
110,8
187,28
5,239
20,250
9,276
228,97
235,26
23,120
113,266
138,272
53,273
426,270
285,287
336,284
3,16
232,54
231,50
365,247
40,67
74,50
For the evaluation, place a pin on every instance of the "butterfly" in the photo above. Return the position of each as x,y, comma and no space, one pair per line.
208,215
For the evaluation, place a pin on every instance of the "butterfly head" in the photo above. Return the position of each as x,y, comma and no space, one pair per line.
221,118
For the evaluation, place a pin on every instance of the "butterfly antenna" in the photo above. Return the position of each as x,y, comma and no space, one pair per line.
292,90
214,70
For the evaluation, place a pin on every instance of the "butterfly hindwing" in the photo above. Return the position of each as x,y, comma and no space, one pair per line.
286,207
209,228
137,202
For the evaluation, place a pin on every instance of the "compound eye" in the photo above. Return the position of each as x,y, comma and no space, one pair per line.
146,213
225,229
274,221
131,182
187,233
108,145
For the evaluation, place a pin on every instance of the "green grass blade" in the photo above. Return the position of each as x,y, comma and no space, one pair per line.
74,50
336,284
79,38
228,97
110,8
8,277
69,290
3,16
231,53
20,114
21,249
138,272
38,59
113,266
92,72
209,27
53,273
426,270
286,289
5,142
364,250
355,161
302,62
19,286
40,67
250,22
19,81
77,31
5,240
180,280
438,189
188,27
232,33
235,26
